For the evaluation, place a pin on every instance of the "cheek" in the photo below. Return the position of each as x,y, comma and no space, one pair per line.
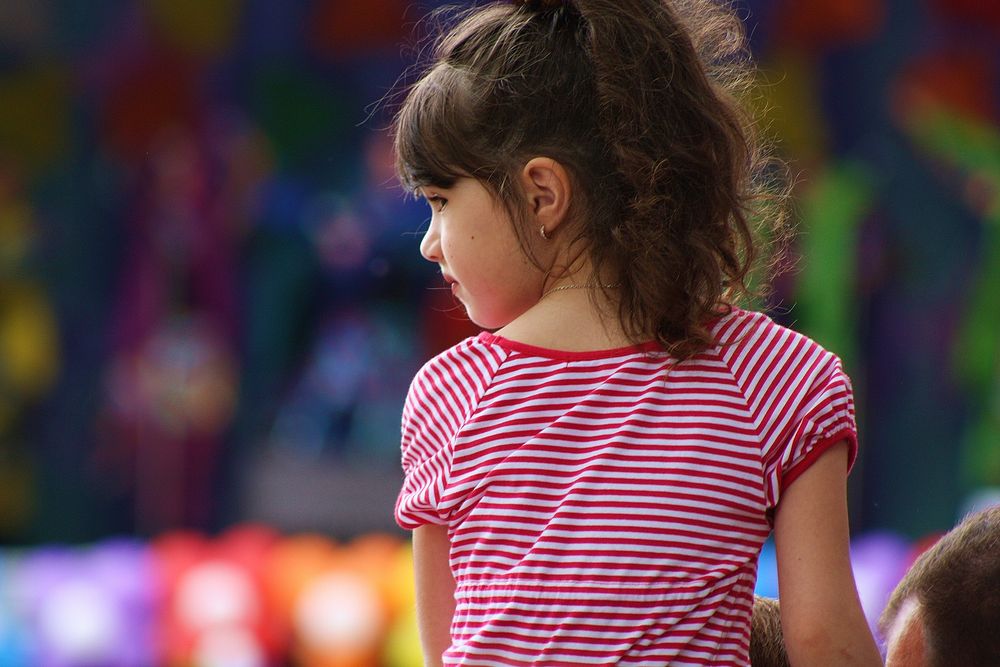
450,245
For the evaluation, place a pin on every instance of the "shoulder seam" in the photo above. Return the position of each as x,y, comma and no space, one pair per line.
727,363
503,356
463,351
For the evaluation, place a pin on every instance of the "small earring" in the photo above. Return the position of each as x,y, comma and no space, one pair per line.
542,232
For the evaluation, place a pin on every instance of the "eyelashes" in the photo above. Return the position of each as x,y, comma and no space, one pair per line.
437,202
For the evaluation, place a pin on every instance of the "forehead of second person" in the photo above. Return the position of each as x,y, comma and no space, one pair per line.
906,644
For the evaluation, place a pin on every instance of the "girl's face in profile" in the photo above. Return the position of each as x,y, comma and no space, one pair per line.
472,240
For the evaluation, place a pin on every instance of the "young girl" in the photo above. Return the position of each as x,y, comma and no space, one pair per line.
591,483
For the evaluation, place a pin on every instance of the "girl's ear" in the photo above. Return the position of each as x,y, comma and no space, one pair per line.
548,191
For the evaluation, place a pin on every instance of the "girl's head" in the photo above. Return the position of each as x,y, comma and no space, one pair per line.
634,103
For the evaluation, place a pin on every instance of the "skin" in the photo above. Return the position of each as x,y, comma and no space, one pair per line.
472,241
478,254
435,590
821,616
905,647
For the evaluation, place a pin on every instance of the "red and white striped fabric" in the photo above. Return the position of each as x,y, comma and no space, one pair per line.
603,511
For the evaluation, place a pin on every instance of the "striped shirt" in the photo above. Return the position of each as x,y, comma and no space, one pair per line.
607,507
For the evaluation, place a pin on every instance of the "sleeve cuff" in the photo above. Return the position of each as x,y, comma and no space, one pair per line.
846,434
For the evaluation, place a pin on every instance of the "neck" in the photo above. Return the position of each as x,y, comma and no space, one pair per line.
570,319
585,286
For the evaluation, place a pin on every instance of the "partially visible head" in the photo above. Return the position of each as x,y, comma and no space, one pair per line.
946,610
636,100
767,643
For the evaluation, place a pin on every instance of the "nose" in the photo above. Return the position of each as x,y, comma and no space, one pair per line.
430,245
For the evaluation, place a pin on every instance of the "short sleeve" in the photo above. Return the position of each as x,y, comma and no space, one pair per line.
425,459
441,399
820,414
796,392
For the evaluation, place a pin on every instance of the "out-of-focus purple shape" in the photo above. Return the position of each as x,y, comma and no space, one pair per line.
88,607
880,560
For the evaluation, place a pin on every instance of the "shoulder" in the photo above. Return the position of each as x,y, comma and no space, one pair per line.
768,360
456,377
745,336
443,395
748,328
796,391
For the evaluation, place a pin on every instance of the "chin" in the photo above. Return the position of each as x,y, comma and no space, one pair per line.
488,325
500,315
491,322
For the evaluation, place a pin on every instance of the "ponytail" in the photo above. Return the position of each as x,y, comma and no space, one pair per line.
683,247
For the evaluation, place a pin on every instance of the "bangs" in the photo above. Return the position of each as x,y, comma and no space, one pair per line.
430,131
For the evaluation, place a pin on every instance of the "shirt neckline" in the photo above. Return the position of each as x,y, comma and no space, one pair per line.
568,355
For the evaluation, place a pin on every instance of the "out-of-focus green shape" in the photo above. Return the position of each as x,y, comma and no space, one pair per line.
977,353
972,147
300,114
831,213
981,453
964,141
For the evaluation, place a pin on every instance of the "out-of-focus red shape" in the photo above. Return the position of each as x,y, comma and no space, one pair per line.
343,28
961,80
158,92
215,587
920,546
978,12
443,320
815,25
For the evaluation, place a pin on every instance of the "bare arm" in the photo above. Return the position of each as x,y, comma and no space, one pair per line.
821,615
435,591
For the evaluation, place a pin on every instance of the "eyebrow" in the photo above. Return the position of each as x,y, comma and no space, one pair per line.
421,190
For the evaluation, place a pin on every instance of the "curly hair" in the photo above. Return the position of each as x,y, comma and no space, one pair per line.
642,102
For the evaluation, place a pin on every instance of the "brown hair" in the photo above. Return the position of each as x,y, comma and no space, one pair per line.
639,100
956,584
767,642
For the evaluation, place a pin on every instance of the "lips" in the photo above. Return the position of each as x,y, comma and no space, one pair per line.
452,283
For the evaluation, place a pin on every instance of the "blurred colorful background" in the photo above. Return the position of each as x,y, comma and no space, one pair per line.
211,305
